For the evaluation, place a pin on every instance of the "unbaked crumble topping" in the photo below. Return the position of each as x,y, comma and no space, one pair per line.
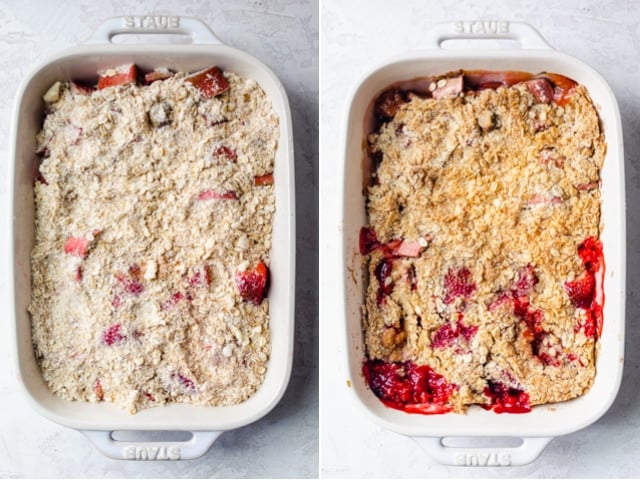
154,209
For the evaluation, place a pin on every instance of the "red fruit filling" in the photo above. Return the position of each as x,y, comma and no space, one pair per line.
447,335
113,335
587,291
368,242
222,151
123,74
76,246
458,284
213,195
210,82
409,387
503,399
385,284
262,180
252,284
188,384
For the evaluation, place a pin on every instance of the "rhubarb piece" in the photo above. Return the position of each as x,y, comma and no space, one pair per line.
121,75
252,284
76,246
445,87
541,89
157,74
388,103
188,384
173,301
503,399
113,335
262,180
215,195
209,82
408,249
222,151
409,387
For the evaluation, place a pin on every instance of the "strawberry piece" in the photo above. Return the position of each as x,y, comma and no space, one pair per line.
409,387
503,399
214,195
97,389
157,74
252,284
76,246
209,82
385,285
113,335
121,75
447,335
458,284
581,291
262,180
222,151
541,89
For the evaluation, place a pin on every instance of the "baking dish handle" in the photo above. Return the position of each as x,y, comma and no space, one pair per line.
199,32
524,33
195,447
527,452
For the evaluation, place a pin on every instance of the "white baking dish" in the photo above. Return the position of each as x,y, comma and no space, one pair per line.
538,427
100,420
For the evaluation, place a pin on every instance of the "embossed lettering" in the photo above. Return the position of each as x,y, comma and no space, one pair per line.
152,22
482,27
151,453
483,459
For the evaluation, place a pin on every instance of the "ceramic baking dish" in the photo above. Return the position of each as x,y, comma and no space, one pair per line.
98,421
539,426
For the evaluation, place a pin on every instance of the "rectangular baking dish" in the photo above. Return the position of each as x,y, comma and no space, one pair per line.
538,427
99,420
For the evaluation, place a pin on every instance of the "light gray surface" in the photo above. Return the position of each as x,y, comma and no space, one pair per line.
605,35
283,34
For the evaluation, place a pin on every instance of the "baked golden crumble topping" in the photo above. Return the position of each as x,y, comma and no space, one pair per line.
481,251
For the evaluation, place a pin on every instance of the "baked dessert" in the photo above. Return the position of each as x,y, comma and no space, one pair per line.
154,203
482,256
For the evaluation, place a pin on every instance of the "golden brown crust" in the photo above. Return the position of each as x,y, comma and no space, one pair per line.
506,188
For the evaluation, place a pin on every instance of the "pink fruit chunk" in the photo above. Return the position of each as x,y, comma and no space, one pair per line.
119,76
113,335
222,151
262,180
452,86
187,383
408,248
252,284
215,195
447,335
458,283
97,389
541,89
209,82
76,246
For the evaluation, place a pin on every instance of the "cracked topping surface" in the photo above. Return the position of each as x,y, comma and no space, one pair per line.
481,251
153,232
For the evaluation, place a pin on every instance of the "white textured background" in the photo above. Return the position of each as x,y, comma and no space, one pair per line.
359,34
284,35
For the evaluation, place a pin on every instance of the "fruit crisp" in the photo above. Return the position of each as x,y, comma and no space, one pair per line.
154,207
482,252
